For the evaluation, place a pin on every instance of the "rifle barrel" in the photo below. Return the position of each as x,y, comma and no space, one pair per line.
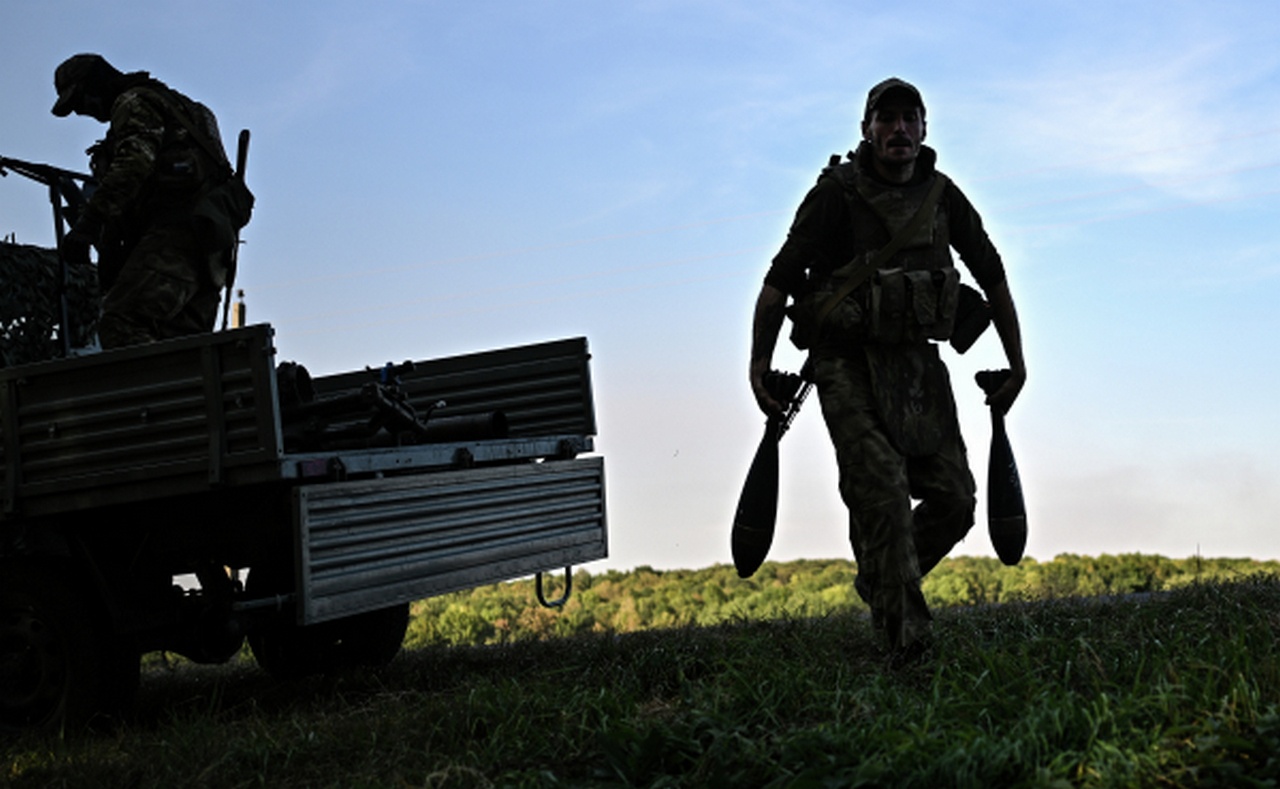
42,173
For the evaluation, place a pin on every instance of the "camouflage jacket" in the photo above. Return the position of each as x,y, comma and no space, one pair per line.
149,167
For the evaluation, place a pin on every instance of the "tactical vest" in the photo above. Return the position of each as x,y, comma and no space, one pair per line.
910,299
913,297
879,211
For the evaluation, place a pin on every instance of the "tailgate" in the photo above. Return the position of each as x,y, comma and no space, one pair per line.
370,544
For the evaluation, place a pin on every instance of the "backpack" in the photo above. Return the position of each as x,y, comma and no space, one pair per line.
222,210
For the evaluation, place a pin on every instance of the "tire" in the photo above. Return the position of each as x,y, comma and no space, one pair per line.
373,638
286,650
60,664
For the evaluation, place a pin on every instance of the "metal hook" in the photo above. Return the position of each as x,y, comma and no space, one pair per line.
564,598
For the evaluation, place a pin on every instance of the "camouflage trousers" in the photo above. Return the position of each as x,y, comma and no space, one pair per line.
894,544
169,286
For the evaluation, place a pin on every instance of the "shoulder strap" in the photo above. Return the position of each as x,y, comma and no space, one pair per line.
882,255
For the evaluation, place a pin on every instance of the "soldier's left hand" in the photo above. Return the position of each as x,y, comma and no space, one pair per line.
1002,398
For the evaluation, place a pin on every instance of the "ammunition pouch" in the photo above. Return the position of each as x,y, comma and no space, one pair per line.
912,306
897,306
973,316
803,313
843,323
220,212
180,170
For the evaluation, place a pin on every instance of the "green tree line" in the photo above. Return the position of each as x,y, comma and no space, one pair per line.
645,598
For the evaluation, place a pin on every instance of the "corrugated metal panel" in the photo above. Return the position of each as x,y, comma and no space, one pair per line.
544,389
153,420
369,544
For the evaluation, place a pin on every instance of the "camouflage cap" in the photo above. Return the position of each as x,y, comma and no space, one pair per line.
72,74
892,85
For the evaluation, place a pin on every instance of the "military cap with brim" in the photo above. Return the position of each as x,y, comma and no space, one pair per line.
892,87
70,77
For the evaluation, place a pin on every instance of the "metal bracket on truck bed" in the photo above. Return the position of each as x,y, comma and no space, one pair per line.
432,456
562,599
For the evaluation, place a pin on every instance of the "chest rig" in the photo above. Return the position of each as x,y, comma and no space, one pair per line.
913,295
900,285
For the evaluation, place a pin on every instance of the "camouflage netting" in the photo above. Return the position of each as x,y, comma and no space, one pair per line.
29,310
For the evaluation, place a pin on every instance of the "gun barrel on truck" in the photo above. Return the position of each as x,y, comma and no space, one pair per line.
126,469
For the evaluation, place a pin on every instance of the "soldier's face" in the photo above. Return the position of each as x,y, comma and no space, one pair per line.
86,101
95,106
895,132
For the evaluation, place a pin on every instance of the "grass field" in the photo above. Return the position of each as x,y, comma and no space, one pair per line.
1174,689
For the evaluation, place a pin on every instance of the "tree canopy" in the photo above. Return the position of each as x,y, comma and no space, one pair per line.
645,598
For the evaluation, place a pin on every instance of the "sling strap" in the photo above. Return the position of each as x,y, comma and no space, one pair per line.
882,255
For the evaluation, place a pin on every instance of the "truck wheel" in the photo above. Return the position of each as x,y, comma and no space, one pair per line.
287,650
59,663
372,638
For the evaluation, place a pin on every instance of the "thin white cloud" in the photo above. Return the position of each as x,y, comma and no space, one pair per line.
1166,119
347,59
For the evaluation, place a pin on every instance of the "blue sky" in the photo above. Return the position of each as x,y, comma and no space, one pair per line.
440,178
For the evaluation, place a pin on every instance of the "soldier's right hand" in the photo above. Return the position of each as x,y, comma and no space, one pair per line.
771,408
75,244
75,248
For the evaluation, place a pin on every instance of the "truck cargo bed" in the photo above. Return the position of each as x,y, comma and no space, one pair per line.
199,413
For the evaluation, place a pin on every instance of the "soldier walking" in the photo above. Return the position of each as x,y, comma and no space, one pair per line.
867,263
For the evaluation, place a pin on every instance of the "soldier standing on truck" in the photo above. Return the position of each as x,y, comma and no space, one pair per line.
162,262
868,262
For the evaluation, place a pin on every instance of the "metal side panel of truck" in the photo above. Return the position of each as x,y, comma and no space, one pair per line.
146,422
125,468
365,543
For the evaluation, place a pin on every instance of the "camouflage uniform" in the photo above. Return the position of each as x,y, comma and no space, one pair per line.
161,280
888,405
169,286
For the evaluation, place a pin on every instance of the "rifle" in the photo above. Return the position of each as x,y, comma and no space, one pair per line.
68,201
379,413
1006,512
757,513
47,174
